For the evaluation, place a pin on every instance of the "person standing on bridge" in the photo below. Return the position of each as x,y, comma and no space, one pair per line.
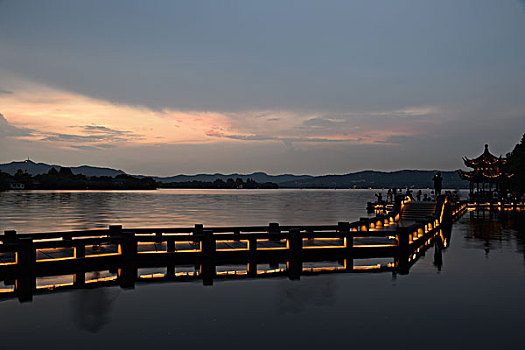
438,183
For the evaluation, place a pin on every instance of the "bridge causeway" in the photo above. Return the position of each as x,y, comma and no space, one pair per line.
119,256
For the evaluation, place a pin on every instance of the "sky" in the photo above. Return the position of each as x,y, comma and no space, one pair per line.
306,87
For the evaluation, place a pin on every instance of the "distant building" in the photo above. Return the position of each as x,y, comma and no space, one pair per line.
489,179
17,186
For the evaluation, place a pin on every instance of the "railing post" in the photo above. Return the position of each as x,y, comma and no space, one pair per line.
237,235
343,226
208,243
80,249
79,279
402,262
402,238
252,265
295,241
346,234
129,248
26,282
198,229
207,272
80,253
208,254
170,245
128,251
170,249
295,245
115,230
9,236
252,245
273,228
252,268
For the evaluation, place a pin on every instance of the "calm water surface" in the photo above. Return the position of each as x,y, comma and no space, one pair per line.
476,300
34,211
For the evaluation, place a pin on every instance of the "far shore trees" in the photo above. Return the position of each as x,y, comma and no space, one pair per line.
516,164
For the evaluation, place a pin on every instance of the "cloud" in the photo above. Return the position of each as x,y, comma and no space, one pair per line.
90,137
9,130
285,140
5,92
95,147
323,122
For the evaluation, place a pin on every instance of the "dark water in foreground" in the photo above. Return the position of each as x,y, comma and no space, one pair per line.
477,300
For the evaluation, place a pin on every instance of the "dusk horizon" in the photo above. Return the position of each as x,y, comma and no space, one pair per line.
240,172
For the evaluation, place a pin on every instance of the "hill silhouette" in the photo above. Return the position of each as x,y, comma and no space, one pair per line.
33,168
361,179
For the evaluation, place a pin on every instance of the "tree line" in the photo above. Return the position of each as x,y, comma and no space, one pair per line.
516,165
64,179
230,183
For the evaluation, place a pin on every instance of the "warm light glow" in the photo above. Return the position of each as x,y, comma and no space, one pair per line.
54,286
102,279
370,267
260,272
237,249
323,269
235,272
374,245
153,275
57,259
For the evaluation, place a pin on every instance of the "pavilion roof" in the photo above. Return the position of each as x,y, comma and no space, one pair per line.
486,159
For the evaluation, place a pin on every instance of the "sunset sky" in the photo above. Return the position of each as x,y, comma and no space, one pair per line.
310,87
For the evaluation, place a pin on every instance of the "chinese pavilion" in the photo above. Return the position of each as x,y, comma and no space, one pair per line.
489,179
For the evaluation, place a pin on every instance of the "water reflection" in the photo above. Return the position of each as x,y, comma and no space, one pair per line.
91,308
295,297
496,230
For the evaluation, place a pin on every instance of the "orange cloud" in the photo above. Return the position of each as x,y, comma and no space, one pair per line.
75,121
70,119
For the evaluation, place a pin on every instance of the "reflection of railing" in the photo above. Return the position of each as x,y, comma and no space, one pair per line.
497,205
208,253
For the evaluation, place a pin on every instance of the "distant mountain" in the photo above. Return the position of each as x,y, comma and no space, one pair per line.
42,168
362,179
258,177
379,179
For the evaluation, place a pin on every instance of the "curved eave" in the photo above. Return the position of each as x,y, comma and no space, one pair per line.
478,177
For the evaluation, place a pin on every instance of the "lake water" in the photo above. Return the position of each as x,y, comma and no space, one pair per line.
475,300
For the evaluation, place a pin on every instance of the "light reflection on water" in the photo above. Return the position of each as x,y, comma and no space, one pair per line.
34,211
475,300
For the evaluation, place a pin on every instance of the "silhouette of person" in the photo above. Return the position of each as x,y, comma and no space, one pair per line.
438,183
389,196
418,195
